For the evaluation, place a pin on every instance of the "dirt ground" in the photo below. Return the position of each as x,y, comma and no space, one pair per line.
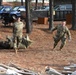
39,54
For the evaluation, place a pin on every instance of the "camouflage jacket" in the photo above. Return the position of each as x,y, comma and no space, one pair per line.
18,28
62,31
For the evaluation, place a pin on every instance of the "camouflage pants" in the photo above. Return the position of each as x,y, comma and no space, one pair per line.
17,40
57,39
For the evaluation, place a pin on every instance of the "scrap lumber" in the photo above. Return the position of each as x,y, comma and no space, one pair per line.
25,70
18,70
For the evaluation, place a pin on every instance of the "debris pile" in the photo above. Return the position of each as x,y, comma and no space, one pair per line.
15,70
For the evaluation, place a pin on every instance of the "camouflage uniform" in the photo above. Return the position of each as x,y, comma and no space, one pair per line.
61,33
17,33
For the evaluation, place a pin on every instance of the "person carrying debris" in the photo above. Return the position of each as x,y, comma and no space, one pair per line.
61,33
17,41
17,32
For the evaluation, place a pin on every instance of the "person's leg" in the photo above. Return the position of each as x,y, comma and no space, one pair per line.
63,42
56,40
15,44
19,41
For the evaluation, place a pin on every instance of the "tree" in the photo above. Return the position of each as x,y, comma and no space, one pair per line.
51,5
1,2
36,4
74,15
42,2
28,17
22,2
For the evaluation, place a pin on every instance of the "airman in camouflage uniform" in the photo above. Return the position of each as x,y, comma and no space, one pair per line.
17,32
61,33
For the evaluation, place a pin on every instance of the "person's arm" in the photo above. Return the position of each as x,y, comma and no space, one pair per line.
53,29
68,33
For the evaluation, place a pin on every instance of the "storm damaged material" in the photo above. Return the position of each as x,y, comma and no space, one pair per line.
14,70
8,44
51,71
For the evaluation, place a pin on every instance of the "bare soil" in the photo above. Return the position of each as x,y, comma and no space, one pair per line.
40,53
